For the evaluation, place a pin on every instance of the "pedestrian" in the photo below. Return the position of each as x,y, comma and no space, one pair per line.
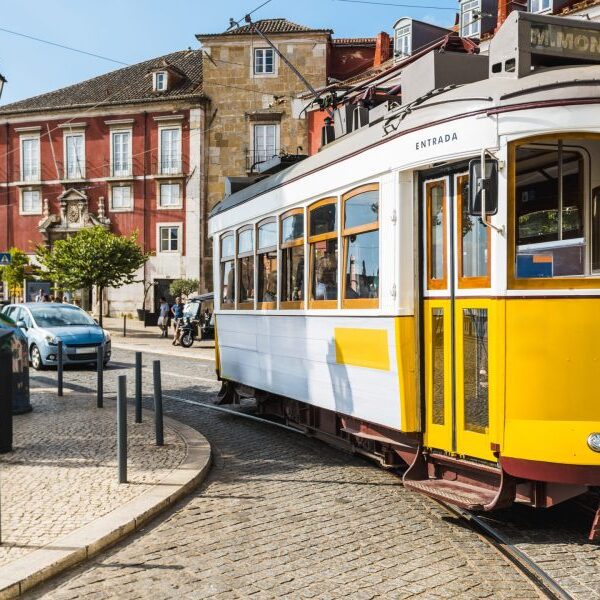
163,317
46,298
58,299
67,297
177,312
39,296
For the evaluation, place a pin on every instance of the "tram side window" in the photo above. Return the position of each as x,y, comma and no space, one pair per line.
323,253
245,268
435,198
267,264
292,259
550,212
361,247
227,271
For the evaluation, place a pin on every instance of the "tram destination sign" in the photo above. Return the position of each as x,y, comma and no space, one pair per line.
567,41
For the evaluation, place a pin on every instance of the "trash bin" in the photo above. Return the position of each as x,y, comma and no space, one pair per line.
20,367
6,390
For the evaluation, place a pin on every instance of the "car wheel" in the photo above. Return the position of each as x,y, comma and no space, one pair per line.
187,339
36,358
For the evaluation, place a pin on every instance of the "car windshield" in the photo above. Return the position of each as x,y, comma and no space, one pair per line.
60,316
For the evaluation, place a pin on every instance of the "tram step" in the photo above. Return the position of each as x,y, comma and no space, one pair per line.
461,494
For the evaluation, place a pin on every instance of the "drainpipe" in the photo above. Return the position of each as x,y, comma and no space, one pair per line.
8,225
144,209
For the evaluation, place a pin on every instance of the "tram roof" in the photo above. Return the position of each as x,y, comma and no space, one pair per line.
544,85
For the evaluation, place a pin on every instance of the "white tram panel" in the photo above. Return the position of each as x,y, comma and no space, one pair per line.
295,356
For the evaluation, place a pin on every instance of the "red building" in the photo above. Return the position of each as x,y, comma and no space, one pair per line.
124,151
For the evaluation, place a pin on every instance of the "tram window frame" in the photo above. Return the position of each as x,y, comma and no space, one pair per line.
588,280
477,281
323,237
347,232
294,243
260,251
223,259
437,283
240,256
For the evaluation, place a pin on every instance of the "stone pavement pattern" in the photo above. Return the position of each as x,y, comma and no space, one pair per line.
63,472
284,515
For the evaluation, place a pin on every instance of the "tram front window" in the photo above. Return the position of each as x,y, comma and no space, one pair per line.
549,209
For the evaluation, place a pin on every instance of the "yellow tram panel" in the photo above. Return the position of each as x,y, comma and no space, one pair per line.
553,382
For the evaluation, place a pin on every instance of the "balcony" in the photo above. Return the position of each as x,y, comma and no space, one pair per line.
168,167
118,170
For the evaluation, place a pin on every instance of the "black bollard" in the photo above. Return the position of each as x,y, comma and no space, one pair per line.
124,325
158,407
100,372
138,387
59,368
122,428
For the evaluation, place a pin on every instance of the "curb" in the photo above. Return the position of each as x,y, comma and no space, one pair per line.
30,570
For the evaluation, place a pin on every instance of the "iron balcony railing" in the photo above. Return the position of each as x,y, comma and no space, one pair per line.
255,157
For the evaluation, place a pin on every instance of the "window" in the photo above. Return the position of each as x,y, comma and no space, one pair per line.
121,197
292,259
264,61
74,156
170,150
169,195
160,81
470,18
361,247
169,238
550,212
245,267
121,153
265,142
267,264
31,202
403,45
323,243
435,200
30,158
538,6
473,244
227,271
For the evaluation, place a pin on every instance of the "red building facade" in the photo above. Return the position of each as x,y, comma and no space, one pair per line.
123,151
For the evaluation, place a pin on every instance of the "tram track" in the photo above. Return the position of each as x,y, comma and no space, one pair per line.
548,586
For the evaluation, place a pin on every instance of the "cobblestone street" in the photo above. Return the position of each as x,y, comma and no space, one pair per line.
281,514
63,471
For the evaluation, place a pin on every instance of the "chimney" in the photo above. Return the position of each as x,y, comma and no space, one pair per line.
382,49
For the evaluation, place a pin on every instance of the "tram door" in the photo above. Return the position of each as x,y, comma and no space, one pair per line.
458,319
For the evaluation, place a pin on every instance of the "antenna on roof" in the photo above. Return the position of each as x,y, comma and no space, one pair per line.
301,77
233,24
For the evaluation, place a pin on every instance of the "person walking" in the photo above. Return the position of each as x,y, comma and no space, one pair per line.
177,312
163,317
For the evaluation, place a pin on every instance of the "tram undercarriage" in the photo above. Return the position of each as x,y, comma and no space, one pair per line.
475,486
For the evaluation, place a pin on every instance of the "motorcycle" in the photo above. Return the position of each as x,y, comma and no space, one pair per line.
187,333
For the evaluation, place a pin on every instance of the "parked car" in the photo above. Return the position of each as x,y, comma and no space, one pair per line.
46,323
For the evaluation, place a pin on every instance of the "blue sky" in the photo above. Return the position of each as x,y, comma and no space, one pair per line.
135,30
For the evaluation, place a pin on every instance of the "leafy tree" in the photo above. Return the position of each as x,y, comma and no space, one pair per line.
93,257
19,270
184,287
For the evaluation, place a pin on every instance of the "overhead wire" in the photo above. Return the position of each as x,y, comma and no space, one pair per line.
373,2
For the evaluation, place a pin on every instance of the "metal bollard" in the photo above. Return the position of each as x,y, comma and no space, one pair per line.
138,387
158,407
124,325
122,428
59,368
100,371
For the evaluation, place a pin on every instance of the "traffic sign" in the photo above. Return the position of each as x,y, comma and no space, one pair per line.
5,259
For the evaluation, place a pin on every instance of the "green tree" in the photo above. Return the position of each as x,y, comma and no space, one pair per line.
93,257
184,287
19,270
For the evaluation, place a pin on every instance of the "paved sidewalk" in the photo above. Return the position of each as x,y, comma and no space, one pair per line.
147,339
61,501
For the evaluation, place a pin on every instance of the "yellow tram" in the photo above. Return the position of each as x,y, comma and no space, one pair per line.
427,287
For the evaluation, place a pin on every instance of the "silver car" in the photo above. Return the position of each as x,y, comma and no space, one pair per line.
46,323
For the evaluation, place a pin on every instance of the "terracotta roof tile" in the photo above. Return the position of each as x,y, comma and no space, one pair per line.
129,85
354,41
268,26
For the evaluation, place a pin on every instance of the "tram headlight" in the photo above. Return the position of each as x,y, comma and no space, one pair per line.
594,441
